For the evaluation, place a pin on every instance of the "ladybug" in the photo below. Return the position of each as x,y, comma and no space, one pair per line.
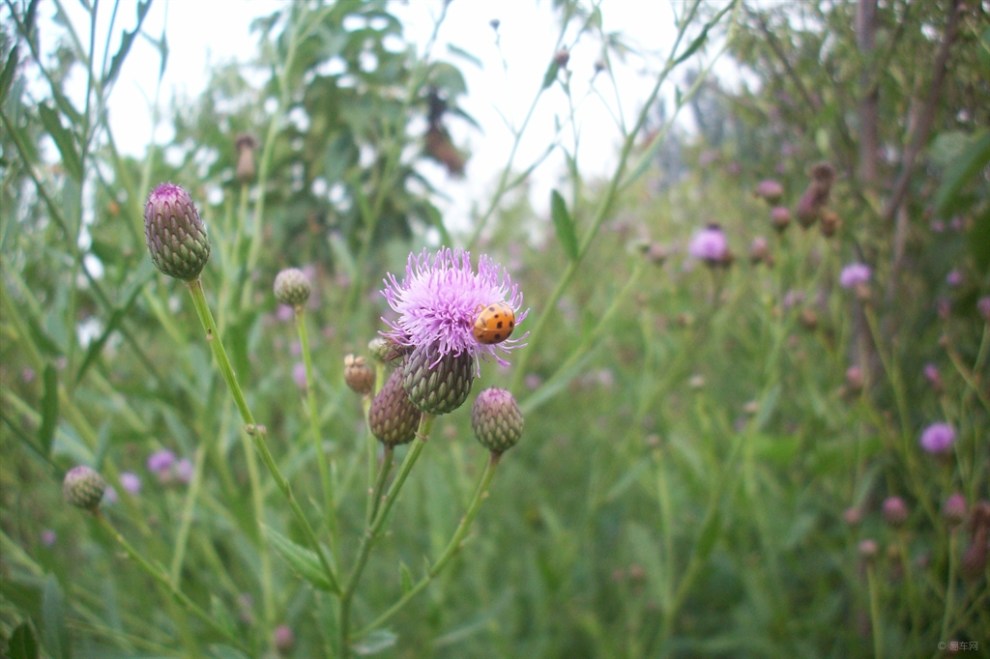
494,323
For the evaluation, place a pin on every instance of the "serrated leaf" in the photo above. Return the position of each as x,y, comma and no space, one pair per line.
49,410
126,41
564,225
7,76
64,141
53,632
303,561
23,644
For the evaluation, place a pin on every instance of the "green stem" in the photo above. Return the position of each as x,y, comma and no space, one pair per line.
162,578
371,533
329,512
254,480
875,623
453,547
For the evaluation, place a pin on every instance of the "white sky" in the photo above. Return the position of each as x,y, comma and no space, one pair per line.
204,33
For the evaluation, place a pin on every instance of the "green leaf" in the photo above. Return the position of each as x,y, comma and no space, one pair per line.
23,644
53,630
564,225
551,75
979,241
375,642
7,76
406,576
303,561
965,166
125,44
225,652
709,535
49,410
63,141
460,52
96,347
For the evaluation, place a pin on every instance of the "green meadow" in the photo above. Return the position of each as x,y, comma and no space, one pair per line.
746,408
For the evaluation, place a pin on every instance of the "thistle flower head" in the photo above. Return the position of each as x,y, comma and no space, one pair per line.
438,302
358,375
83,488
496,420
175,234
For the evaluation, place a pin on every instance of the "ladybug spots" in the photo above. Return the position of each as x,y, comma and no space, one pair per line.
494,323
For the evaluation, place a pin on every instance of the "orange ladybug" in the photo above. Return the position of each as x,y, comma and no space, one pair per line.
494,323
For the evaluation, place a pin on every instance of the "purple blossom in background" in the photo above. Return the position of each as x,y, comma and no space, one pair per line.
438,300
709,245
854,275
299,375
938,438
983,305
184,470
160,462
130,482
954,278
48,537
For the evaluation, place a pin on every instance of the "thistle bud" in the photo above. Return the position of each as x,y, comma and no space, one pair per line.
83,488
830,223
292,287
780,218
769,190
954,509
496,420
246,168
393,418
358,375
895,511
437,384
175,235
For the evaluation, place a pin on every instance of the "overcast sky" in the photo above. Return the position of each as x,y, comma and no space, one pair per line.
204,33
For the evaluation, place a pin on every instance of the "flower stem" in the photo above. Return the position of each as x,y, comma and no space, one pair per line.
453,547
162,578
329,512
371,533
871,581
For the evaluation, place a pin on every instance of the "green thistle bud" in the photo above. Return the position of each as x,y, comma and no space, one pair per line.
83,488
496,420
358,375
441,387
292,287
175,235
392,417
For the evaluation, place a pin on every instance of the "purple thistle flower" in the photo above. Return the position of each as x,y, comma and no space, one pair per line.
299,375
438,301
938,438
48,537
130,482
854,274
709,245
160,462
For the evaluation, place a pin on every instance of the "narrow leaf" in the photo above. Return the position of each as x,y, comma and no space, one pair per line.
53,631
965,167
551,75
406,577
564,225
49,410
63,141
303,561
375,642
709,534
7,76
125,44
23,644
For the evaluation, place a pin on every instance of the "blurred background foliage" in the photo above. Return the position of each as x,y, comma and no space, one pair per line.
698,473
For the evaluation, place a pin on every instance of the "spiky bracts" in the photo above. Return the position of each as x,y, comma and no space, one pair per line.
175,234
